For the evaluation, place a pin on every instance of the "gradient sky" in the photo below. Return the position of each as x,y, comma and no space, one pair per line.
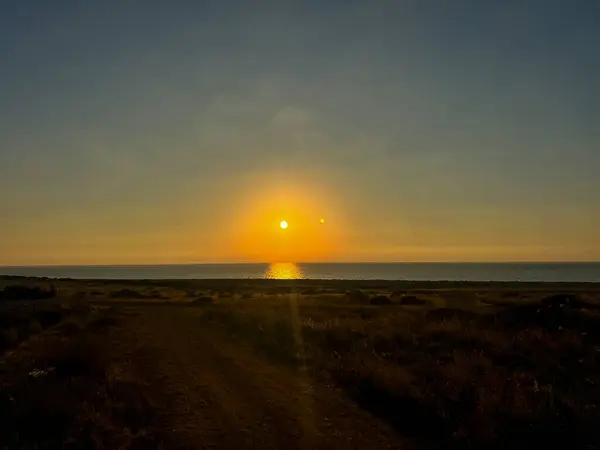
183,131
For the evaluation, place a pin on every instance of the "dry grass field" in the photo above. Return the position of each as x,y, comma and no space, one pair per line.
298,364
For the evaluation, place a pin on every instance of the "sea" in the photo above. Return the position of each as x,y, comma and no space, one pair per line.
528,272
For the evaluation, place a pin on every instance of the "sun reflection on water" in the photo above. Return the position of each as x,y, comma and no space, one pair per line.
284,271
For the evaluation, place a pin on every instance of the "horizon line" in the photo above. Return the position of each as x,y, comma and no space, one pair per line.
297,262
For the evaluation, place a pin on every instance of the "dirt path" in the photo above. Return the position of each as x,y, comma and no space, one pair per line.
219,395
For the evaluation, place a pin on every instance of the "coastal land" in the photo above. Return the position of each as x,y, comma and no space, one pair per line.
298,364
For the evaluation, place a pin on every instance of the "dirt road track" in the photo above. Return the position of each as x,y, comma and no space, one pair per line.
220,395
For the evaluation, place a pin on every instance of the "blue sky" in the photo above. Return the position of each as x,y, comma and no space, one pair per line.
435,130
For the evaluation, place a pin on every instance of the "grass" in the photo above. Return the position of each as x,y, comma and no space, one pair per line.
65,389
450,365
17,325
519,375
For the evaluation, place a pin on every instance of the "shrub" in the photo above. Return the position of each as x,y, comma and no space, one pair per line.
357,296
127,293
18,292
411,300
380,300
567,301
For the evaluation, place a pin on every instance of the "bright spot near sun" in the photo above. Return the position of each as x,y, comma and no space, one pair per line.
283,224
321,220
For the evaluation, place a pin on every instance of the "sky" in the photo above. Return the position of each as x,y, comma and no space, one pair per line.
185,131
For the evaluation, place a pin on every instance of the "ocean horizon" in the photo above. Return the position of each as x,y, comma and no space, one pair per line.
409,271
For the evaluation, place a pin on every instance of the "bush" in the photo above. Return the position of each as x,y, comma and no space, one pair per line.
127,293
380,300
551,315
357,296
567,301
9,338
18,292
411,300
15,326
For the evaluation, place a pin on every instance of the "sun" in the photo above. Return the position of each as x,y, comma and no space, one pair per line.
283,224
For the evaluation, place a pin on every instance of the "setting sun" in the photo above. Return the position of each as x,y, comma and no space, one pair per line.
279,222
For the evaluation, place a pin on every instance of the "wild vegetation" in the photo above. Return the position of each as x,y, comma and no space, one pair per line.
23,292
446,365
60,387
498,374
